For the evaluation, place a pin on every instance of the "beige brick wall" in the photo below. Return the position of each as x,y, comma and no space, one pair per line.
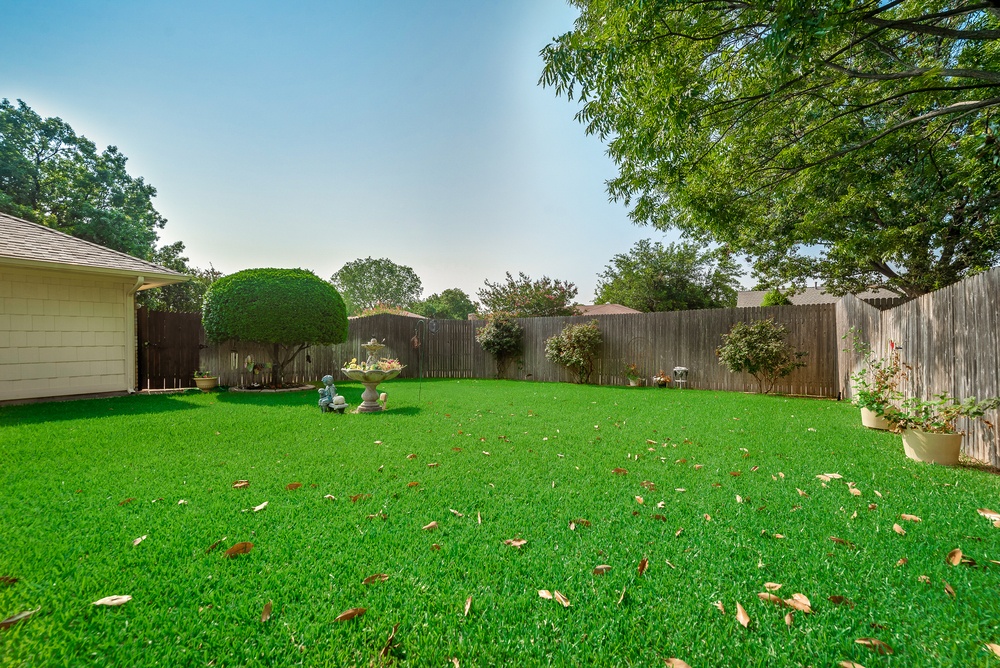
63,333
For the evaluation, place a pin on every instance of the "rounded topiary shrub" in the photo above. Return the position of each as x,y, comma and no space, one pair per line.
290,309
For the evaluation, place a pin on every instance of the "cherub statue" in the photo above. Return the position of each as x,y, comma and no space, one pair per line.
327,394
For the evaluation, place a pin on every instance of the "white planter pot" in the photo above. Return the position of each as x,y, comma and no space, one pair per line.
933,448
633,383
873,420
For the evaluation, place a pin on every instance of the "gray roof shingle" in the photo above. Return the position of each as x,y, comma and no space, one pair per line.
808,296
24,240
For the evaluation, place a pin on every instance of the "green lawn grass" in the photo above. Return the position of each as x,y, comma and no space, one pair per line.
65,468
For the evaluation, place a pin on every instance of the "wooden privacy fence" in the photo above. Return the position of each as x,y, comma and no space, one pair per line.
653,341
950,338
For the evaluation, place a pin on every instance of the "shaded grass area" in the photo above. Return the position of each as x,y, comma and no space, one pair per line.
66,467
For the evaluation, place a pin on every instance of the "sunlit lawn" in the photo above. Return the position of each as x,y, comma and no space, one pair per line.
712,482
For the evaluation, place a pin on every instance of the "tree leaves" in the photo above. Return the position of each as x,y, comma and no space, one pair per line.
19,617
643,565
875,645
378,577
991,515
601,569
430,527
515,542
741,616
237,550
241,484
113,601
910,518
468,606
954,557
139,540
266,612
293,486
347,615
898,529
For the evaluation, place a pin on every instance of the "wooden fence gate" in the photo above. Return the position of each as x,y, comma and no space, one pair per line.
169,345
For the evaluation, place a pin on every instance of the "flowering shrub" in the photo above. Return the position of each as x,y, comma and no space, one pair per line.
631,371
500,337
759,348
522,297
876,385
575,348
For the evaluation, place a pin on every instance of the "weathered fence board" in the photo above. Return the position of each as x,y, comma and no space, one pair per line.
653,341
950,339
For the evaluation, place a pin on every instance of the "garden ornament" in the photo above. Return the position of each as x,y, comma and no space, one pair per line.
329,400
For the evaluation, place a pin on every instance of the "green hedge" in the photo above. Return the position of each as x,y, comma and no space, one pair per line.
286,306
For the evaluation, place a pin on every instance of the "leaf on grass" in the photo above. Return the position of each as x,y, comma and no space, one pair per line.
138,540
988,514
771,598
182,502
722,608
648,485
479,518
360,497
378,515
910,518
468,606
898,529
350,614
676,663
266,613
779,535
741,616
561,598
19,617
678,532
855,491
948,589
113,601
430,527
486,453
378,577
789,617
214,545
800,603
7,580
331,497
708,518
622,597
643,565
841,600
801,493
240,484
772,586
639,500
753,468
841,541
924,579
293,486
582,522
435,547
849,664
432,465
993,647
872,506
824,478
698,466
456,513
679,489
390,643
661,504
237,550
657,516
411,456
259,508
545,593
875,645
902,562
739,499
515,542
601,569
126,501
736,474
954,557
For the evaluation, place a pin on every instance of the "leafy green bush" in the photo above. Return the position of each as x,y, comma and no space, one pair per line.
759,348
288,308
500,337
575,348
775,297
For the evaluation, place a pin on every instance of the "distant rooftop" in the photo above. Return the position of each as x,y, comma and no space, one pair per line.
809,296
27,243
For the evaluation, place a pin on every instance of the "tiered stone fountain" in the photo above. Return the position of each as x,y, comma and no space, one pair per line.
371,377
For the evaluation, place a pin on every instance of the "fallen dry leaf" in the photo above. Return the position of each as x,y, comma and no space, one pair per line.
988,514
126,501
739,499
432,465
468,606
411,456
902,562
378,577
708,518
910,518
855,491
779,535
676,663
741,616
736,474
722,608
898,529
435,547
948,589
924,579
182,502
841,541
112,600
479,518
237,550
772,586
622,597
19,617
849,664
582,522
824,478
789,617
679,489
875,645
993,647
240,484
648,485
841,600
801,493
601,569
360,497
562,599
139,540
678,532
872,506
456,513
545,593
801,604
954,557
293,486
771,598
639,500
390,643
259,508
331,497
643,565
430,527
7,580
266,613
515,542
350,614
214,545
486,453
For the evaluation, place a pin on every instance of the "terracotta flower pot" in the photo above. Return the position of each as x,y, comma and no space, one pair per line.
207,383
873,420
924,446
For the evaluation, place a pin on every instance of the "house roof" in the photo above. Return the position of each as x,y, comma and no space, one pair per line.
28,244
808,296
603,309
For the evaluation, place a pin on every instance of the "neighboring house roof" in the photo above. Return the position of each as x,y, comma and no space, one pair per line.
28,244
603,309
809,296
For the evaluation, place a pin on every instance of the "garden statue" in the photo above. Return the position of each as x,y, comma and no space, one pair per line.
329,400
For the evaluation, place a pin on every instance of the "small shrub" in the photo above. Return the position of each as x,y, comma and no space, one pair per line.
759,349
500,337
575,348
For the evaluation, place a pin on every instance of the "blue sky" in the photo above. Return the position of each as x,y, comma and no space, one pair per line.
309,134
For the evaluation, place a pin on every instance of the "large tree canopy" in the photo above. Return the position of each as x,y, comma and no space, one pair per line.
848,139
675,277
522,297
450,304
368,283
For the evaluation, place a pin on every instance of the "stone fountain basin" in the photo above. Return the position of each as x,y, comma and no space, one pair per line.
372,376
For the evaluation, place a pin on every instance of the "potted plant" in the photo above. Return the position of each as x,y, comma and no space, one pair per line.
876,385
928,426
631,372
661,378
205,380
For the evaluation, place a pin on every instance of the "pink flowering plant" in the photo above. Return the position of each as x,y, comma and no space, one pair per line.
876,384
